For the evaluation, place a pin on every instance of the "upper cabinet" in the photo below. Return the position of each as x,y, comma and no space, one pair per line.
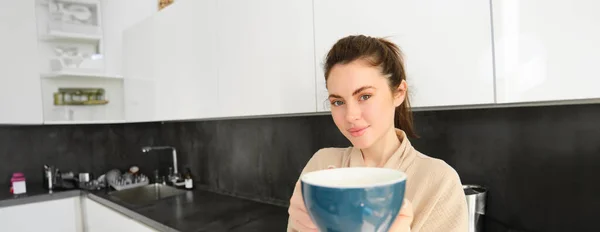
546,50
138,72
20,95
232,58
265,57
447,45
170,64
185,62
120,15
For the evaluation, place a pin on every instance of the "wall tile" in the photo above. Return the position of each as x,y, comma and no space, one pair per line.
538,162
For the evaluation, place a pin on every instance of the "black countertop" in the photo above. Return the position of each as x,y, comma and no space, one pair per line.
196,210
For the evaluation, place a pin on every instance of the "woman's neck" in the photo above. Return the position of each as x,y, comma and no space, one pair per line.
381,151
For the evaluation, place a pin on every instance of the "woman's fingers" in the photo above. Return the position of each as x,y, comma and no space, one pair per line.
404,219
298,215
297,201
302,220
406,210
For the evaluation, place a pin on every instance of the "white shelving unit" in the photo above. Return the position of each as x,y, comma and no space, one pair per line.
72,56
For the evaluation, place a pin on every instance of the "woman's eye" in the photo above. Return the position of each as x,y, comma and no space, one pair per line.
365,97
337,103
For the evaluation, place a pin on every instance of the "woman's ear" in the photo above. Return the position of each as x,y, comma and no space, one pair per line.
400,94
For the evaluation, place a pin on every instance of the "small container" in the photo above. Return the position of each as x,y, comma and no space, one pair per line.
189,182
84,177
58,99
67,98
18,183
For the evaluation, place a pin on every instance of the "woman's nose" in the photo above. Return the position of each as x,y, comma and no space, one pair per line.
353,112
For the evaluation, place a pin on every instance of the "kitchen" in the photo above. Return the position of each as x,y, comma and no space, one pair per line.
498,94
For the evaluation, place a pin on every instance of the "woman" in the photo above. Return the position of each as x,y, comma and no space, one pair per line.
368,93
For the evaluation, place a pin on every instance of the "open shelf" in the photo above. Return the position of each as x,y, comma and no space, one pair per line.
69,36
78,75
113,112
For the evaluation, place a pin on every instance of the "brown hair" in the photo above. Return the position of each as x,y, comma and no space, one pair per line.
380,53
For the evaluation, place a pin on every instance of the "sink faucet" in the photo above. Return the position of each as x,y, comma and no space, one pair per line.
150,148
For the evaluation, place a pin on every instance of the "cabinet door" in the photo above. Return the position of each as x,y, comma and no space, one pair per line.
185,64
140,86
99,218
265,57
118,16
49,216
546,50
171,70
20,88
447,45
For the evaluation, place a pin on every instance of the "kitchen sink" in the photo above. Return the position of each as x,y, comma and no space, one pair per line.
146,194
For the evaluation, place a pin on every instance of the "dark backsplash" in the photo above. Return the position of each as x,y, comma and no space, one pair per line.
78,148
536,161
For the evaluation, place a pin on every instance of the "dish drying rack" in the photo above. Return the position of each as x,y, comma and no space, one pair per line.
124,182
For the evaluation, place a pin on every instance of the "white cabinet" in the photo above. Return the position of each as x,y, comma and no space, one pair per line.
546,50
265,57
140,87
118,16
50,216
447,45
99,218
185,61
99,37
20,94
200,59
170,64
67,215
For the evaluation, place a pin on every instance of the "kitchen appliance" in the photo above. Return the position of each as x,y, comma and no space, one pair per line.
476,196
54,179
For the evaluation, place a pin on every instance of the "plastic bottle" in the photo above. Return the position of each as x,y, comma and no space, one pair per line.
189,182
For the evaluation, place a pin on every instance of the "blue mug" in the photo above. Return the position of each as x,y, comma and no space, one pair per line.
353,199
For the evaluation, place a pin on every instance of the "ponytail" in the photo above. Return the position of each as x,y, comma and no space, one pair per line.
403,117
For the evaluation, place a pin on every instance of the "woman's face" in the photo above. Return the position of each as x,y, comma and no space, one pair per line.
362,104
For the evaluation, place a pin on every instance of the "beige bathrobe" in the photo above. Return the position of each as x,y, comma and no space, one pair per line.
433,187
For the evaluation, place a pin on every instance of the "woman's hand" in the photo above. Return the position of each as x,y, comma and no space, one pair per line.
298,216
404,218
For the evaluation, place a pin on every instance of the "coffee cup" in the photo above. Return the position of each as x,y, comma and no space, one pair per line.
353,199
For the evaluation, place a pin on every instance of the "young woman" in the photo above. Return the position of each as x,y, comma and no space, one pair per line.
368,93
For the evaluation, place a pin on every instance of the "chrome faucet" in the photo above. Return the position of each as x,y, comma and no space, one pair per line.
175,172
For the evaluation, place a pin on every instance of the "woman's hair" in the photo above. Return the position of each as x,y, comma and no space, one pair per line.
381,53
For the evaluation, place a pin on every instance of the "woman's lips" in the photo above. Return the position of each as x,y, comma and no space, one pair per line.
357,131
